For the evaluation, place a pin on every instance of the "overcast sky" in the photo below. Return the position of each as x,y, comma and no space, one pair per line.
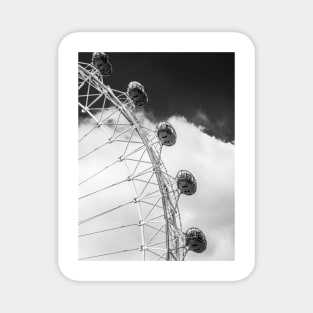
195,92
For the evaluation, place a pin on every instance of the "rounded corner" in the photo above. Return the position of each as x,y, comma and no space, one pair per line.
66,40
65,273
246,39
247,273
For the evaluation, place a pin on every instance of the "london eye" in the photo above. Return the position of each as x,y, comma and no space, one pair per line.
128,201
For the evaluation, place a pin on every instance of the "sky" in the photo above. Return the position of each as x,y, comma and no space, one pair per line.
195,93
198,86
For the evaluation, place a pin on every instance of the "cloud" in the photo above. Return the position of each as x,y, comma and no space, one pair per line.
211,209
201,119
219,129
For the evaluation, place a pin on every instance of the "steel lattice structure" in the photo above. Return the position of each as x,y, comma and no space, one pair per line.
156,193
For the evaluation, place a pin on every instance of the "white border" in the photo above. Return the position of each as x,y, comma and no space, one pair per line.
243,264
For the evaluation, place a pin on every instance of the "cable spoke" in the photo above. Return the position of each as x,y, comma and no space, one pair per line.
88,133
107,187
108,229
158,231
118,119
107,117
90,95
105,212
151,194
155,205
146,185
155,244
109,141
138,161
97,173
119,159
154,218
158,255
103,105
161,256
110,253
144,181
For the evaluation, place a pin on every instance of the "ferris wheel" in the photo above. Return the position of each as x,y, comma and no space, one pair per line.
128,202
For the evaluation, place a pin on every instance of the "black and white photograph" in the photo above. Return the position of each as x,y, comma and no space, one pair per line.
191,143
156,144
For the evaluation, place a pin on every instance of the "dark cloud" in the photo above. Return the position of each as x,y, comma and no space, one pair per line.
181,84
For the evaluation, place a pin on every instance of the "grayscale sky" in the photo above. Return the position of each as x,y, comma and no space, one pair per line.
195,93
